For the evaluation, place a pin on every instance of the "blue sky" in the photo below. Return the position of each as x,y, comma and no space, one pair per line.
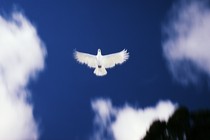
64,92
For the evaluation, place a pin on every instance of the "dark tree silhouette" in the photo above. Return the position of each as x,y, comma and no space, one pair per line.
182,125
200,129
156,131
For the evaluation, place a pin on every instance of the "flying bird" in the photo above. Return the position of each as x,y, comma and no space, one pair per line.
101,62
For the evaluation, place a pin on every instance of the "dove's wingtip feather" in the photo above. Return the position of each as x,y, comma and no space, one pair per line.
75,54
125,54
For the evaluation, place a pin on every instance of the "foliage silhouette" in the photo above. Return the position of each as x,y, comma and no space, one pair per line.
182,125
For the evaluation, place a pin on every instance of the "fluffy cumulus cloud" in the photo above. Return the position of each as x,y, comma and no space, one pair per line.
126,123
21,56
186,42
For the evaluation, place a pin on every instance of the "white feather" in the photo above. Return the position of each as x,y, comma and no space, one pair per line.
100,62
85,58
100,71
111,60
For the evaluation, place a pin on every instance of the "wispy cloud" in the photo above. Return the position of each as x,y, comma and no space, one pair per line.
186,44
22,55
126,123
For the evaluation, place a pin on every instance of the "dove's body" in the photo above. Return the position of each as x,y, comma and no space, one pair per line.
101,62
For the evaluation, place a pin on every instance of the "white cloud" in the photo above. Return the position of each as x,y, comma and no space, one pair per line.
187,44
22,55
127,123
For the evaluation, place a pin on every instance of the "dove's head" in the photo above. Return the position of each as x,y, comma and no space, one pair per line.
99,51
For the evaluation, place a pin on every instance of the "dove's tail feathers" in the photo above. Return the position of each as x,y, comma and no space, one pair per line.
100,71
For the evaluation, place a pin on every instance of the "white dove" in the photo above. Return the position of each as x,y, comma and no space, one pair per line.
100,62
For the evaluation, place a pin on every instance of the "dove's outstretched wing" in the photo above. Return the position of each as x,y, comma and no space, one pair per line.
85,58
111,60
